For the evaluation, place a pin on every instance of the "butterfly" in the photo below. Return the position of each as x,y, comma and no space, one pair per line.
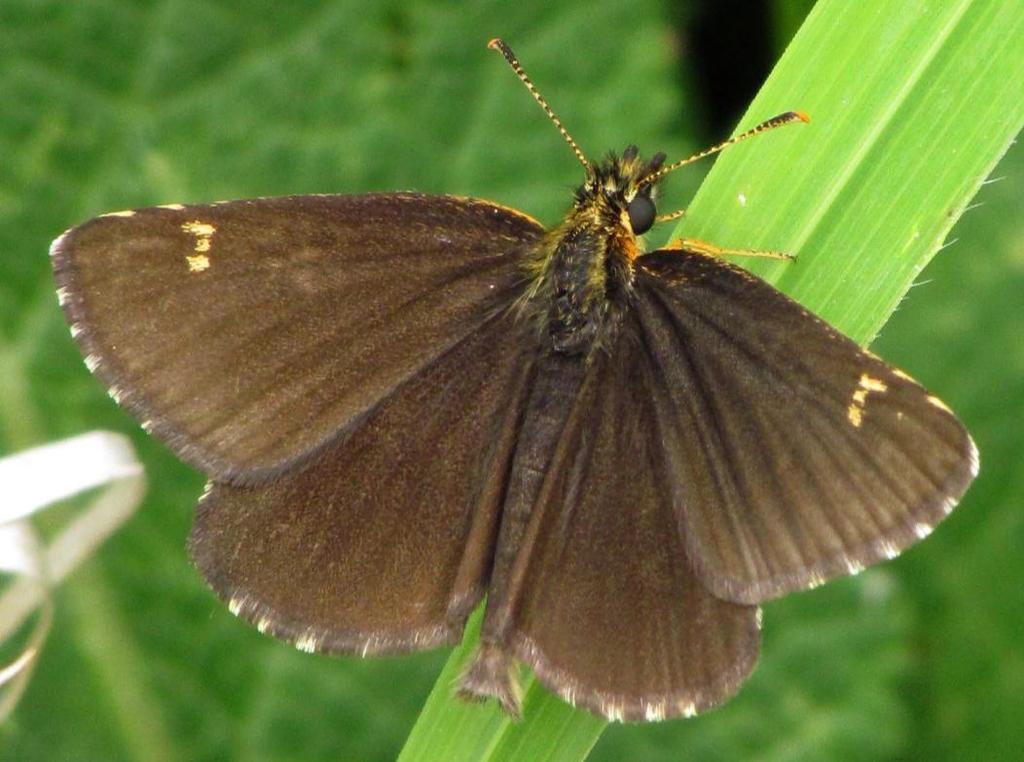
406,403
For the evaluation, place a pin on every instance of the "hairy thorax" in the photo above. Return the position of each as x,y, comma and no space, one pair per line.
581,272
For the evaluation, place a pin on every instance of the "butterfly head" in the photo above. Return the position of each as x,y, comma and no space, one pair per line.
622,186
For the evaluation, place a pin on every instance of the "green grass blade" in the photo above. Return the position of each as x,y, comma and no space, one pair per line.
451,730
912,103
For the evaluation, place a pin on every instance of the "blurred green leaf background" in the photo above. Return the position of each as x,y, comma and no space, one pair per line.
108,105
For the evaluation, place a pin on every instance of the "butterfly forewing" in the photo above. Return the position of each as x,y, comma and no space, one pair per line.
793,455
608,611
247,334
383,542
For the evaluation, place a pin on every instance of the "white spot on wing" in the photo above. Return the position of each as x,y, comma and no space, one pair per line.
235,605
207,488
58,243
654,712
62,296
198,263
76,330
125,213
172,207
92,362
936,402
688,709
872,384
854,415
854,567
888,549
203,231
922,530
115,394
307,642
859,399
974,459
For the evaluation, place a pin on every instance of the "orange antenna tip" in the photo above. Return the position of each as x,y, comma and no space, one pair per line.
803,117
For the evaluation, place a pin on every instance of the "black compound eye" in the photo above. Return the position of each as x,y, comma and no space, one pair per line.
641,214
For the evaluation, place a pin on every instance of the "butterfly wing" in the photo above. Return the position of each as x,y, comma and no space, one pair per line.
383,543
248,334
796,456
610,614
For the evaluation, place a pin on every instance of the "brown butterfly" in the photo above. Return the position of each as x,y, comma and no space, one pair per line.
407,402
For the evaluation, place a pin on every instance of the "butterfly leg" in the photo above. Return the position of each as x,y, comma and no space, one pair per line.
709,249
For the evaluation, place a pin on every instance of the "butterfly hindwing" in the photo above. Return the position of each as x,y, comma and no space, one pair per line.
794,455
609,613
246,334
383,542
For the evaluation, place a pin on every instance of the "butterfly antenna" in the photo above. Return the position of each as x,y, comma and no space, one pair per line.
770,124
499,45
